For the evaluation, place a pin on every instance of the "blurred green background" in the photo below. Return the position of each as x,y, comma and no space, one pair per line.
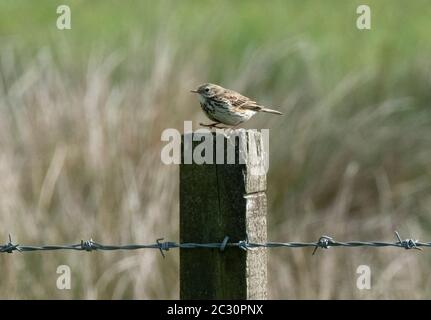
82,111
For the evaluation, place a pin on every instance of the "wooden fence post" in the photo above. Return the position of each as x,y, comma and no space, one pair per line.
218,200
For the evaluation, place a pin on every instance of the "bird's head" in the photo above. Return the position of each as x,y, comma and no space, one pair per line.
208,90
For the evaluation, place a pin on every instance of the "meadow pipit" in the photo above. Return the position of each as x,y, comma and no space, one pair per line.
227,106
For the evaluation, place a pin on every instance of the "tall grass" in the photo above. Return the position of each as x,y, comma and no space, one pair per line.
80,144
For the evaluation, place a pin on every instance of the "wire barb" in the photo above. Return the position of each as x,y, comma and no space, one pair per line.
224,243
163,246
407,243
324,242
10,247
244,244
88,245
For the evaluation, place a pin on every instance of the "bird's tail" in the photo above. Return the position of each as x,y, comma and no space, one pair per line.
270,111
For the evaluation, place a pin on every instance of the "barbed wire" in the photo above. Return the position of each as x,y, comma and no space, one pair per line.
324,242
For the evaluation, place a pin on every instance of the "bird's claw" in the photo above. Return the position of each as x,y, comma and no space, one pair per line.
212,125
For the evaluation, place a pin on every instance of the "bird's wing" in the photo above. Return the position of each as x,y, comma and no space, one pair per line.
251,106
239,101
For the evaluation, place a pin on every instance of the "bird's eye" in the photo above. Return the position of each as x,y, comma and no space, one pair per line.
207,90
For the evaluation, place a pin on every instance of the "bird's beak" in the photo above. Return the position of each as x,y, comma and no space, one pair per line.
194,91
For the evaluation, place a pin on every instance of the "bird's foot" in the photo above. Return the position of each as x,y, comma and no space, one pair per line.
212,125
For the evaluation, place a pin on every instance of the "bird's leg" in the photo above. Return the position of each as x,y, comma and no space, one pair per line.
211,125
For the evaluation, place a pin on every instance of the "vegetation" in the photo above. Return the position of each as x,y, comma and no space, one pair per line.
82,112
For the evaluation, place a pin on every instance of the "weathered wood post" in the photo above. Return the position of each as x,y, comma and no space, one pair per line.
218,200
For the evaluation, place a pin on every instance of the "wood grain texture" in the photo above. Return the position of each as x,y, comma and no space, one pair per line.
218,200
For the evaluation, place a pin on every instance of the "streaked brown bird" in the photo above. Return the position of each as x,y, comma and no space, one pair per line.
227,106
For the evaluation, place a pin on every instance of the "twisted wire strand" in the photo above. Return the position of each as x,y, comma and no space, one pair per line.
324,242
